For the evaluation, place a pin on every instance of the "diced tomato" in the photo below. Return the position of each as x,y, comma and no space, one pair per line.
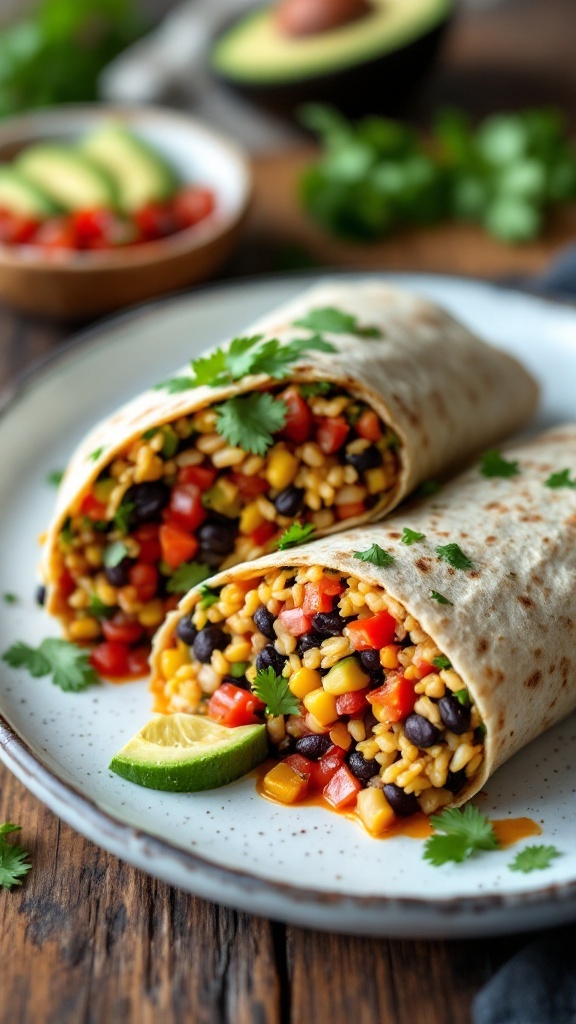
342,789
350,511
424,668
110,658
138,660
327,766
177,546
318,597
92,508
395,700
202,476
145,579
263,533
295,621
373,633
331,433
122,630
368,426
233,706
193,204
301,764
299,421
186,506
56,233
249,486
155,220
352,703
66,584
16,229
100,229
147,537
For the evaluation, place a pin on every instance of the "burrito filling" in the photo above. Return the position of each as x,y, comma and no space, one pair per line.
180,502
361,706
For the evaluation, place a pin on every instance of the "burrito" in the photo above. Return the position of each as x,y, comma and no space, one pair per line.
398,664
326,412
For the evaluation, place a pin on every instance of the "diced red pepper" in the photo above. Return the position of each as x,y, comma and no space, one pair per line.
177,545
263,533
150,549
249,486
193,204
16,229
368,426
110,658
186,506
92,508
202,476
295,621
350,510
155,220
145,579
299,421
342,789
331,433
318,596
122,629
233,706
372,633
66,584
352,703
301,764
424,668
394,700
327,766
138,660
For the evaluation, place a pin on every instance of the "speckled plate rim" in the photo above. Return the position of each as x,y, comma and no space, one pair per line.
453,917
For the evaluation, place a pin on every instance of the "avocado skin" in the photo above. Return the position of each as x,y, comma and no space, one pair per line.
385,85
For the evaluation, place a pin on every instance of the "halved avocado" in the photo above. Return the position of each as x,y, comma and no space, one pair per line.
22,197
141,175
67,178
370,65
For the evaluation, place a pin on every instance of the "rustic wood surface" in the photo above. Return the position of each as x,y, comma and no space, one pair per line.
90,940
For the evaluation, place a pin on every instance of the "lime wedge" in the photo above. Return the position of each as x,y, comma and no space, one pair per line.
185,753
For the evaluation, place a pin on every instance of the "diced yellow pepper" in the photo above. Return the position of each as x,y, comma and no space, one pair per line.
340,736
103,489
322,705
285,784
152,614
389,656
250,518
374,810
345,677
281,469
84,629
304,681
173,659
375,480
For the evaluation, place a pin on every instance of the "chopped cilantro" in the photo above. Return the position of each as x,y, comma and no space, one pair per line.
439,598
123,515
66,531
427,489
188,575
68,664
209,596
149,434
54,478
114,554
560,479
411,536
453,554
493,464
295,534
442,662
534,858
318,387
173,385
14,859
463,697
98,609
170,443
276,693
376,555
10,598
250,421
464,831
336,321
95,455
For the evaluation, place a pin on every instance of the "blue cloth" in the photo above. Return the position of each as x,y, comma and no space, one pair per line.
559,280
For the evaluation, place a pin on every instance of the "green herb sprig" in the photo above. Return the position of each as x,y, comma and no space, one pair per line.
458,833
68,664
492,464
295,534
275,691
454,556
534,858
377,555
14,859
188,575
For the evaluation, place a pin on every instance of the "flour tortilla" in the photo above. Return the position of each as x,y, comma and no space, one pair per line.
510,631
445,393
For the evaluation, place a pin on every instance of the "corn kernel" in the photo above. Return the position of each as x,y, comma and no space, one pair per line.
322,705
374,810
171,660
284,784
238,650
103,489
281,469
340,736
84,629
304,681
152,614
250,518
375,480
389,656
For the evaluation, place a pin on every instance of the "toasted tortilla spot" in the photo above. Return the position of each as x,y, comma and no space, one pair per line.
534,680
525,600
482,645
490,540
423,564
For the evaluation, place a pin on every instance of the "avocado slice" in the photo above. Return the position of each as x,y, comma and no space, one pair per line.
370,64
141,174
23,197
67,177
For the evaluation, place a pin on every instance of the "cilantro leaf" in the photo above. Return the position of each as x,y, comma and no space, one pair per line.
241,357
54,478
464,832
463,697
188,575
68,664
427,489
209,597
250,421
336,321
114,554
95,455
493,464
442,662
10,598
98,609
275,359
14,859
318,387
123,515
560,479
453,554
295,534
376,555
174,385
149,434
411,536
276,693
534,858
207,368
440,598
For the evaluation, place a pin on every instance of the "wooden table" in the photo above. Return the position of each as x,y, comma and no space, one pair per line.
90,940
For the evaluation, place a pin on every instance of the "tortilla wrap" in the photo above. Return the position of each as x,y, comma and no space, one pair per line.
509,630
444,393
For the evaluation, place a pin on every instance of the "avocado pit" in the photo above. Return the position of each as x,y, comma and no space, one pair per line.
311,17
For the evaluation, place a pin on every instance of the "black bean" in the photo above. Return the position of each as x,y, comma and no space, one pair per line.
186,630
361,768
403,804
455,781
420,731
149,500
455,715
241,682
368,459
218,535
264,621
208,557
479,734
370,660
117,575
308,641
40,594
269,657
328,623
208,640
313,747
289,502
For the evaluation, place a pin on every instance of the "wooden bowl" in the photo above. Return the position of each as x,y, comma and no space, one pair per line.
74,285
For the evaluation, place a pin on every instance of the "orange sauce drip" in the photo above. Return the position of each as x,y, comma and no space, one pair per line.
512,830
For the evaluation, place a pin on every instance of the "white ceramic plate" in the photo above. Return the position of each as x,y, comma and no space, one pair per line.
303,865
